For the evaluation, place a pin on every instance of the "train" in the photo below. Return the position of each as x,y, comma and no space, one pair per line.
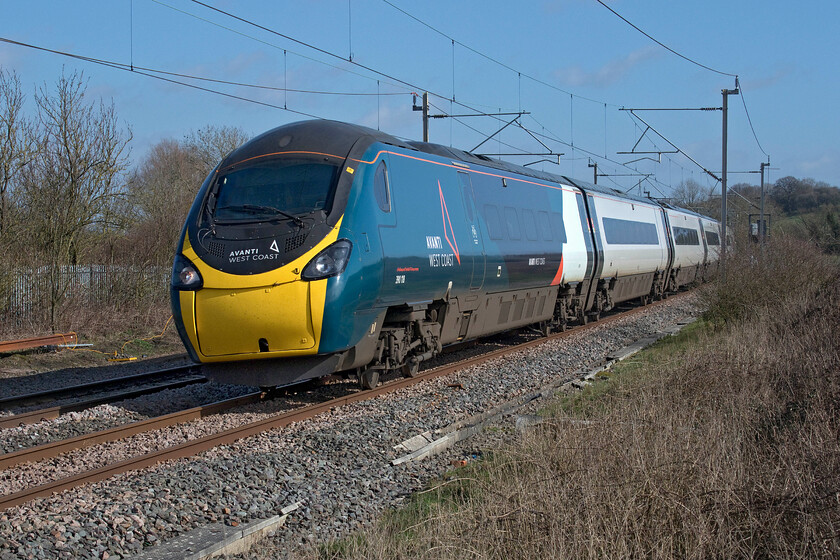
322,247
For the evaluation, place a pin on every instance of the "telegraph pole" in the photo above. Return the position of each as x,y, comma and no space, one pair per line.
762,225
723,190
425,109
595,165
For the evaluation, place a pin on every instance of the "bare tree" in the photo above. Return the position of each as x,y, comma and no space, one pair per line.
212,143
690,193
161,192
68,188
15,140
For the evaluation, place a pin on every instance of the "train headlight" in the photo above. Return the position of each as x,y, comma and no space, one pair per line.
184,274
329,262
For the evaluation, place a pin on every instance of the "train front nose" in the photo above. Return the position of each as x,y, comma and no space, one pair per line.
255,320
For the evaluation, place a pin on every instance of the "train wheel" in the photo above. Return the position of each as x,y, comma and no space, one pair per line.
369,379
410,368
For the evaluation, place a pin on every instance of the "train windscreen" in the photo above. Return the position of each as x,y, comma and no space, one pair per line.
273,189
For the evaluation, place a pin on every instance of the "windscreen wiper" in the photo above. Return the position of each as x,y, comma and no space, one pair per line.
254,208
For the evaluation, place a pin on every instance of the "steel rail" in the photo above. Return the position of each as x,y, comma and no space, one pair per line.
199,445
17,401
56,411
27,343
55,448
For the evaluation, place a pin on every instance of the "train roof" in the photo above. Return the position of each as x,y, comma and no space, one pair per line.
326,136
670,206
322,136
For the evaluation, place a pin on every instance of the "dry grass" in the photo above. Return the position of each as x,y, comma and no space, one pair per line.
723,443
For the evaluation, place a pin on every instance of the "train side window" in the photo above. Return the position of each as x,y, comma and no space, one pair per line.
558,227
686,236
466,191
381,187
629,232
712,238
512,223
494,221
544,225
529,224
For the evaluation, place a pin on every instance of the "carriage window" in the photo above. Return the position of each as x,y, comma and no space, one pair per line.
557,227
493,221
629,232
530,225
381,188
712,238
512,223
545,225
685,236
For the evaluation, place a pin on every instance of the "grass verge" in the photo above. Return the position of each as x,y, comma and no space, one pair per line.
723,442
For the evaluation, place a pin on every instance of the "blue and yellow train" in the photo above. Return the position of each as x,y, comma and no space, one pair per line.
322,247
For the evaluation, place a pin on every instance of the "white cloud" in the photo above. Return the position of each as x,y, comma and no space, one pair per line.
609,73
768,81
818,166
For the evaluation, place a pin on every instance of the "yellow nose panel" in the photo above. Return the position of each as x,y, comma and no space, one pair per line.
254,320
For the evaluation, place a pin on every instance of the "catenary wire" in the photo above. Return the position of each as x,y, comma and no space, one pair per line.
664,46
370,69
258,40
749,120
126,68
519,73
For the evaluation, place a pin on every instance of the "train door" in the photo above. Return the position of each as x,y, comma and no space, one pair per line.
595,232
669,241
471,217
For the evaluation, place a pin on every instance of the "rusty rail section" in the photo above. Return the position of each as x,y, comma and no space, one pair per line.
27,343
194,447
56,448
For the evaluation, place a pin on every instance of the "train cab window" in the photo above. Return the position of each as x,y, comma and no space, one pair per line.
381,187
512,223
530,225
270,189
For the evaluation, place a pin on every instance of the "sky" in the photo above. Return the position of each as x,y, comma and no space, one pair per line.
573,67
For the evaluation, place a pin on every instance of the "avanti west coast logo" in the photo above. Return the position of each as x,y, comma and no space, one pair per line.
253,254
435,243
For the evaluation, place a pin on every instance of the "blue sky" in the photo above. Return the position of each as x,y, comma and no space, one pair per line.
571,64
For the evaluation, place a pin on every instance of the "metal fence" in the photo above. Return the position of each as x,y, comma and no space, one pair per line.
27,294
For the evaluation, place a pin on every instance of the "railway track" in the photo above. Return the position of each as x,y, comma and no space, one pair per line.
196,446
152,382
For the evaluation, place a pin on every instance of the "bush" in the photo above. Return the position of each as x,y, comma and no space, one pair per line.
759,279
